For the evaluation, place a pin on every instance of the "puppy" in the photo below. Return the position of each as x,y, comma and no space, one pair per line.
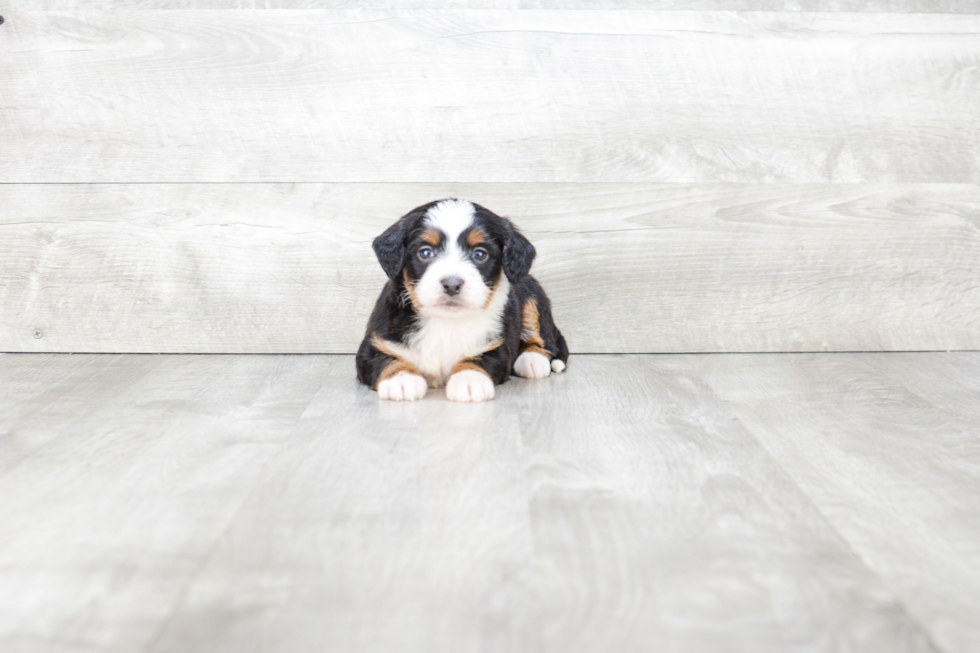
459,309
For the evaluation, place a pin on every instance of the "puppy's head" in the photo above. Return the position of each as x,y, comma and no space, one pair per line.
453,256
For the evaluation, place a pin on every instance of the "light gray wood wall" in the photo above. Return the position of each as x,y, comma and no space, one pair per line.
875,6
489,96
789,179
630,267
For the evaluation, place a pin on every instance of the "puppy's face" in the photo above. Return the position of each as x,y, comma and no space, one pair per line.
452,256
452,263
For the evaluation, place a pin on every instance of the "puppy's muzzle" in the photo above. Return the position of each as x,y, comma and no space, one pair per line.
452,285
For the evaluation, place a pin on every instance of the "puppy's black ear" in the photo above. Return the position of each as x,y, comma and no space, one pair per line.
389,247
518,255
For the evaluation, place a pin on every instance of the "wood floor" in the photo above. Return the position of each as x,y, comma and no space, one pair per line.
740,502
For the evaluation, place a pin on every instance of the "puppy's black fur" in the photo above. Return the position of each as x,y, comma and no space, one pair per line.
527,323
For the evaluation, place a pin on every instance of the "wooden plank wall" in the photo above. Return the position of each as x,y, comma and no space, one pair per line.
206,176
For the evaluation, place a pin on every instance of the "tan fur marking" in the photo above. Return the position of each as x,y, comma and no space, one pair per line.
476,237
493,345
393,367
468,364
531,326
410,288
534,349
430,236
381,345
493,291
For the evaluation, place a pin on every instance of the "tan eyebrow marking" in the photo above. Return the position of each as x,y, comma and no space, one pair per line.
430,236
476,237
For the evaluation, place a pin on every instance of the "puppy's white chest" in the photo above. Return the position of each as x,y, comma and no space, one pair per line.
440,343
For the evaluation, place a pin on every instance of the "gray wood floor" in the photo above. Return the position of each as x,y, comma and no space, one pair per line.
756,502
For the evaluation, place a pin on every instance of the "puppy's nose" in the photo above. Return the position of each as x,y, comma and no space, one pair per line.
452,285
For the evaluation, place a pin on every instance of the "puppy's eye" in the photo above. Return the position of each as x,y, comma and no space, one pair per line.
426,253
480,255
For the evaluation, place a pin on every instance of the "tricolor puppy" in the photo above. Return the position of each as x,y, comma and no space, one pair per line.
459,309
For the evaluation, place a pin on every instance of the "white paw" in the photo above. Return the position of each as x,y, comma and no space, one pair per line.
404,386
557,366
532,365
469,385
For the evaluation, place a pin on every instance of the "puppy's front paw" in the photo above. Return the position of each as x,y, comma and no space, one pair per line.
532,365
469,385
403,386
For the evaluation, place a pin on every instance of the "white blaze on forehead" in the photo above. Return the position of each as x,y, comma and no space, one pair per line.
451,217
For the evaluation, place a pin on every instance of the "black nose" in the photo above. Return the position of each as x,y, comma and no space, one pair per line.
452,285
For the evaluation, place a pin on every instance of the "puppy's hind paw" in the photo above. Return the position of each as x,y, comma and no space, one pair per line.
469,386
557,366
532,365
403,386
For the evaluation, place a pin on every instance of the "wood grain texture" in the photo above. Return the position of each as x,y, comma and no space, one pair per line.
875,6
46,397
103,526
243,503
676,500
888,449
366,95
629,267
